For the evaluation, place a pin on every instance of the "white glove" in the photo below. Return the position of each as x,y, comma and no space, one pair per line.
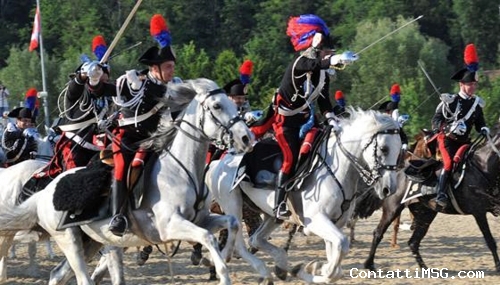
103,125
345,58
93,70
403,119
133,79
485,131
404,147
332,121
30,133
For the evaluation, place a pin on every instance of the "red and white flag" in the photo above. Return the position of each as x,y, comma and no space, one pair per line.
35,34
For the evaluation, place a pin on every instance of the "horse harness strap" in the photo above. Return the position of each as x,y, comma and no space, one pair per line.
81,142
370,176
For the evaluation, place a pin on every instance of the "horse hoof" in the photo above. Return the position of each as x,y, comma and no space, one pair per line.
195,258
213,274
295,270
265,281
280,273
370,266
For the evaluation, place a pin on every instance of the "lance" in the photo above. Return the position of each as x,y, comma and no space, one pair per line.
389,34
124,50
120,32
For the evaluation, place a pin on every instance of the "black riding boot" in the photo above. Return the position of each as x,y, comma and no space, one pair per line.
442,197
279,201
118,223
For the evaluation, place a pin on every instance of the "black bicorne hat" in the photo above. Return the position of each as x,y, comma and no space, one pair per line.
388,106
469,72
20,113
155,55
465,75
236,88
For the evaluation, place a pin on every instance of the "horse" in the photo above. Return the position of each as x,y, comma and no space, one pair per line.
476,195
45,150
368,204
173,207
367,147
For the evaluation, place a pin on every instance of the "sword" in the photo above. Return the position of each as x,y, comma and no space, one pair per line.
124,50
428,77
120,32
384,37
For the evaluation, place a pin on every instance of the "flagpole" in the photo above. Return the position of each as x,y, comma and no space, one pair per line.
43,94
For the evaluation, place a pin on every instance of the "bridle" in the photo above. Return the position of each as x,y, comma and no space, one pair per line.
226,128
370,176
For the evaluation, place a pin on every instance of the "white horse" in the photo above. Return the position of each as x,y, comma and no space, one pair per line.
45,152
174,207
367,147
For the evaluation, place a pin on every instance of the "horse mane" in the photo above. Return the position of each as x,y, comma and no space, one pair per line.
369,121
176,92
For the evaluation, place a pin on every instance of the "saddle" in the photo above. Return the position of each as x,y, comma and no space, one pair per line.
84,196
424,173
264,162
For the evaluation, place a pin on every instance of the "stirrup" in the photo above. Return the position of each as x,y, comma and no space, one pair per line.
442,200
280,213
114,229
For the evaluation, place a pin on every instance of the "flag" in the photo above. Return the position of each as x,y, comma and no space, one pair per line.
36,31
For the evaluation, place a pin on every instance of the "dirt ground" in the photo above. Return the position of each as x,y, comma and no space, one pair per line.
453,244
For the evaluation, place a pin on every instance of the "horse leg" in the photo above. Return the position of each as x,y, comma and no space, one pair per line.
114,264
422,217
389,213
179,228
12,252
395,227
352,225
50,251
5,243
33,266
336,247
291,233
482,222
62,273
71,244
260,241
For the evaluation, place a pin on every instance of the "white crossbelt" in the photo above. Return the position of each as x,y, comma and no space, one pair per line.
80,141
77,126
137,119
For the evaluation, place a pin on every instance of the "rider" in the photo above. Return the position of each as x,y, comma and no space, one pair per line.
83,114
19,138
305,81
237,91
391,108
456,115
140,98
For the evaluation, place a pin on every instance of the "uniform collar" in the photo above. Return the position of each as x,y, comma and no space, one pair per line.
154,80
464,96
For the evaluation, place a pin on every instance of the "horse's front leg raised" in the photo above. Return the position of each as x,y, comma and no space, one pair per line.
260,241
179,228
216,222
337,247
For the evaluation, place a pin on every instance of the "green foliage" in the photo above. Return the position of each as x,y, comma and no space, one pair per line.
212,38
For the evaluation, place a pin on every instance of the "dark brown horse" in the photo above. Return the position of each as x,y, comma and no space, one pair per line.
478,194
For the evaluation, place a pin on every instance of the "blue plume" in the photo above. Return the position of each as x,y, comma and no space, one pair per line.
312,19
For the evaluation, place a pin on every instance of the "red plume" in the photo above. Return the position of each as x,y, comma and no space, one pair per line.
339,95
246,67
470,54
157,25
395,89
31,92
98,41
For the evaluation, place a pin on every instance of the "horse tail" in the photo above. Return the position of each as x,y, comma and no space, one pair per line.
19,217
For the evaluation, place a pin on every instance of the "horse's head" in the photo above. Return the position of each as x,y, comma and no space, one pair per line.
219,119
374,144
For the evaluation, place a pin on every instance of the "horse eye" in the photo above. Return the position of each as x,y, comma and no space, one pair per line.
217,106
384,150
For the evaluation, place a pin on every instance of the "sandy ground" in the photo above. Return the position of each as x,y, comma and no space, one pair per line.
453,244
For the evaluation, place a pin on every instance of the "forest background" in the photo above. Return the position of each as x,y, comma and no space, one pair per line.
211,39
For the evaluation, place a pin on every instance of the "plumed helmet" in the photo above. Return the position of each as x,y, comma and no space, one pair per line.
159,31
238,87
469,72
302,31
31,102
395,93
339,98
